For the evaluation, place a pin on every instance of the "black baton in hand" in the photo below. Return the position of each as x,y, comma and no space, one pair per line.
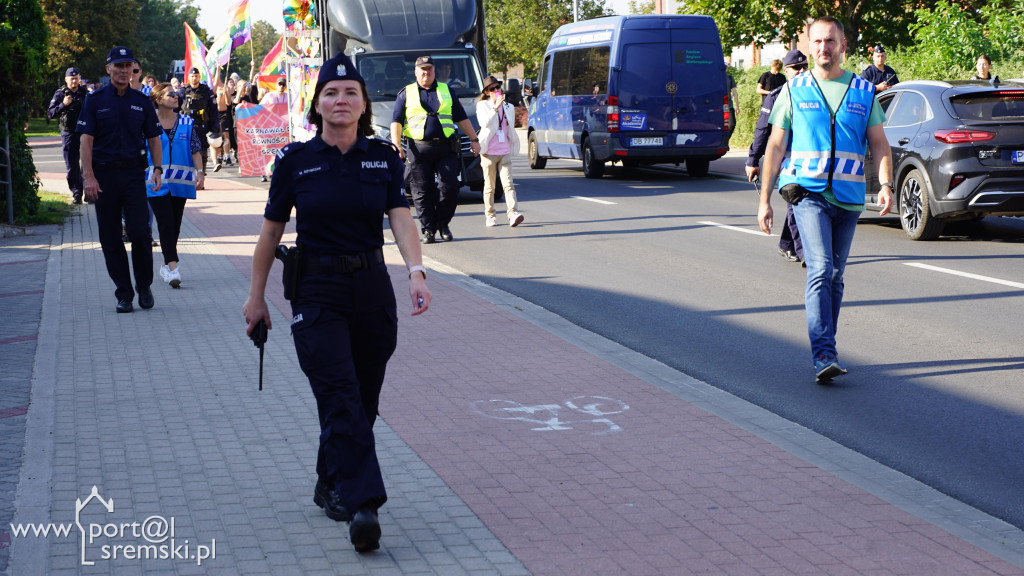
259,338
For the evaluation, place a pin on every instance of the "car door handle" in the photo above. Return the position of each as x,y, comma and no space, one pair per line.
903,141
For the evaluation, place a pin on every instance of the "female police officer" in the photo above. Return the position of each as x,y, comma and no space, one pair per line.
344,324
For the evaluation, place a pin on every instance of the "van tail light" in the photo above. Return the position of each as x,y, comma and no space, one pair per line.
963,136
613,113
725,112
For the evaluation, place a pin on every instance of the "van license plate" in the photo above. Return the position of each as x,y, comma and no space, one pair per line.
1018,156
645,141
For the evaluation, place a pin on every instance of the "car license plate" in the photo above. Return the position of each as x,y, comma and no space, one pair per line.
1018,156
645,141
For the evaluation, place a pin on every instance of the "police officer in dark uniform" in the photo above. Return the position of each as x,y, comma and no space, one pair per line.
67,104
115,123
878,73
344,323
790,246
429,112
199,103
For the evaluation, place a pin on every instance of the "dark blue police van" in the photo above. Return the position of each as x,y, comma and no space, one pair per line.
634,89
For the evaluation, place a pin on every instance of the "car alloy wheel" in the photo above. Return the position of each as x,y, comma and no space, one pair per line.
915,212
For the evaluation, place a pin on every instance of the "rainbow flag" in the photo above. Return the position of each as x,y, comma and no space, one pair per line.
220,51
240,27
273,66
195,56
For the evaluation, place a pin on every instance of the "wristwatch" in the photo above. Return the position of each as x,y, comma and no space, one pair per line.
889,184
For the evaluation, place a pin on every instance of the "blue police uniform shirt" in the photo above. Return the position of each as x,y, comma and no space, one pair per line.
120,124
339,199
876,76
763,129
428,97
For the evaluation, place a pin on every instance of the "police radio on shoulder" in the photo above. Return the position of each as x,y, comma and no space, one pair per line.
418,269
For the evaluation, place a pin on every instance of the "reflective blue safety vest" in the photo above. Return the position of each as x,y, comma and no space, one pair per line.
179,177
827,151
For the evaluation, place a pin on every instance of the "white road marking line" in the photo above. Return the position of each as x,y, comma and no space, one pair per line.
966,274
592,200
649,187
736,228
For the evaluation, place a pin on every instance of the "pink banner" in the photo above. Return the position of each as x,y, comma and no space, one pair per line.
261,132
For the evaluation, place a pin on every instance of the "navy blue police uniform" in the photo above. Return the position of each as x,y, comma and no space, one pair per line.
71,140
435,202
201,105
789,238
120,126
344,318
876,76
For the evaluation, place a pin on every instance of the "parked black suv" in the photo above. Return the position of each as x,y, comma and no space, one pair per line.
957,150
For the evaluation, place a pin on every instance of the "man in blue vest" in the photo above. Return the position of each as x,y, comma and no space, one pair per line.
429,112
823,122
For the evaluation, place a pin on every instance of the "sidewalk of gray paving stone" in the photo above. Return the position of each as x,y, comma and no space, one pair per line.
586,459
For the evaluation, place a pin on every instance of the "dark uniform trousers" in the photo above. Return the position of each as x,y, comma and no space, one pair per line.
345,329
124,189
71,144
435,204
789,238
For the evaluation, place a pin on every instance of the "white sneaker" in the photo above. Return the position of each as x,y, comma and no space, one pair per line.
515,219
491,221
174,277
164,271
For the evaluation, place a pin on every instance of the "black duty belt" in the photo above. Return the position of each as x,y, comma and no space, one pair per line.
434,140
326,264
122,164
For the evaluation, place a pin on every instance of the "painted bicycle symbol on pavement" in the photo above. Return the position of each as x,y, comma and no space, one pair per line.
546,417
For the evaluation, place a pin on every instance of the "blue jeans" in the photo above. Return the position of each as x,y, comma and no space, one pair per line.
827,234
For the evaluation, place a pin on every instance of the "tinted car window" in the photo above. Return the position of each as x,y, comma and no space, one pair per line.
560,73
886,102
911,109
590,71
1004,105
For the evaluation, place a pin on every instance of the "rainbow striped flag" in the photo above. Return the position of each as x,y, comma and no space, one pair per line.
240,26
195,56
273,66
220,51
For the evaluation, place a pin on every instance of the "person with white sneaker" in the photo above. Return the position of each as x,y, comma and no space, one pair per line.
183,163
498,143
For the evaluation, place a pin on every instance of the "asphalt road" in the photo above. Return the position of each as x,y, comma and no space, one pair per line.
675,268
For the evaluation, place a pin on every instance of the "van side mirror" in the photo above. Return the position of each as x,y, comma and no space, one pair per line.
514,91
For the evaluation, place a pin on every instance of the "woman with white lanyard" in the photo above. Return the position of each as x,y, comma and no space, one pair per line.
498,143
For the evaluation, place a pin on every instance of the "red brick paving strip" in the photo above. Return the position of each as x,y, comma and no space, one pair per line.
675,491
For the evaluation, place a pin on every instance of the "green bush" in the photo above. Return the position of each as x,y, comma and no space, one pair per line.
23,47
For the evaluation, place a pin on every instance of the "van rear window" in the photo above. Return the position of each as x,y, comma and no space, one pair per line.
580,72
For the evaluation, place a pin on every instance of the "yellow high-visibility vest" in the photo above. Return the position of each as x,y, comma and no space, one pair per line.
416,114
